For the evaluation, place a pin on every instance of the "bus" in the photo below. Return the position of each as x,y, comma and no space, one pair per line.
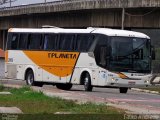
93,57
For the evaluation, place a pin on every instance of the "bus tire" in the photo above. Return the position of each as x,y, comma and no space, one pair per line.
30,79
123,90
87,82
39,84
66,86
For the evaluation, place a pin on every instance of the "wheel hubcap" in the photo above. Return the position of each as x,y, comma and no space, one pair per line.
30,79
86,81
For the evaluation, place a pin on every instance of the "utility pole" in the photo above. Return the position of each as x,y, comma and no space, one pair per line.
123,18
10,3
123,13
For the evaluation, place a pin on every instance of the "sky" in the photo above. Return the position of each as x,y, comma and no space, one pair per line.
26,2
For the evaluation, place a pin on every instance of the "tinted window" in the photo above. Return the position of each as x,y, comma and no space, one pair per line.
14,41
9,41
101,50
23,40
50,42
34,41
66,42
84,42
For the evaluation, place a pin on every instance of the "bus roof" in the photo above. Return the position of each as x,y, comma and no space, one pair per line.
105,31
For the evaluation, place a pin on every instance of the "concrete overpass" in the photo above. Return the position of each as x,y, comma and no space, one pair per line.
82,13
127,14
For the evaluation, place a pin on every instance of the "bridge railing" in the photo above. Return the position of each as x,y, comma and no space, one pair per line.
88,4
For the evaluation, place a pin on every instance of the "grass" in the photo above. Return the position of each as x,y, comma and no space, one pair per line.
1,87
25,99
153,88
34,103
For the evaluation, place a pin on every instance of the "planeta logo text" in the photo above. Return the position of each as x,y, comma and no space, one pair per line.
62,55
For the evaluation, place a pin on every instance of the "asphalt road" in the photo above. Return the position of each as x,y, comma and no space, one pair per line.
132,98
137,102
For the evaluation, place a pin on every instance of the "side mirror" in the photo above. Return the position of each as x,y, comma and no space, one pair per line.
153,52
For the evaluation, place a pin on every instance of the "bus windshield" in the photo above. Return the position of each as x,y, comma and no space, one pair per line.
129,54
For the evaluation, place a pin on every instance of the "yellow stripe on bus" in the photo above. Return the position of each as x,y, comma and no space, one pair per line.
58,63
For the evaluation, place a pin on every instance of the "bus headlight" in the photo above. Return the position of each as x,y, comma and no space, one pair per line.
146,81
113,79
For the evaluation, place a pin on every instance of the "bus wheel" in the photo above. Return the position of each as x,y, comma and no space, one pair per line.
87,83
123,90
66,86
30,79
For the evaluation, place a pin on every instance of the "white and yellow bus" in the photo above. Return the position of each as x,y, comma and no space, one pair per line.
93,57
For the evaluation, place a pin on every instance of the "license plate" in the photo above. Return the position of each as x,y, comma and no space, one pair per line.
131,83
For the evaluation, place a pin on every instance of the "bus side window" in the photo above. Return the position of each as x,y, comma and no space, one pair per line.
14,41
83,42
66,42
34,42
50,42
23,41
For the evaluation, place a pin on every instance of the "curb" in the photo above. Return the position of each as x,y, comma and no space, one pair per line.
146,91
